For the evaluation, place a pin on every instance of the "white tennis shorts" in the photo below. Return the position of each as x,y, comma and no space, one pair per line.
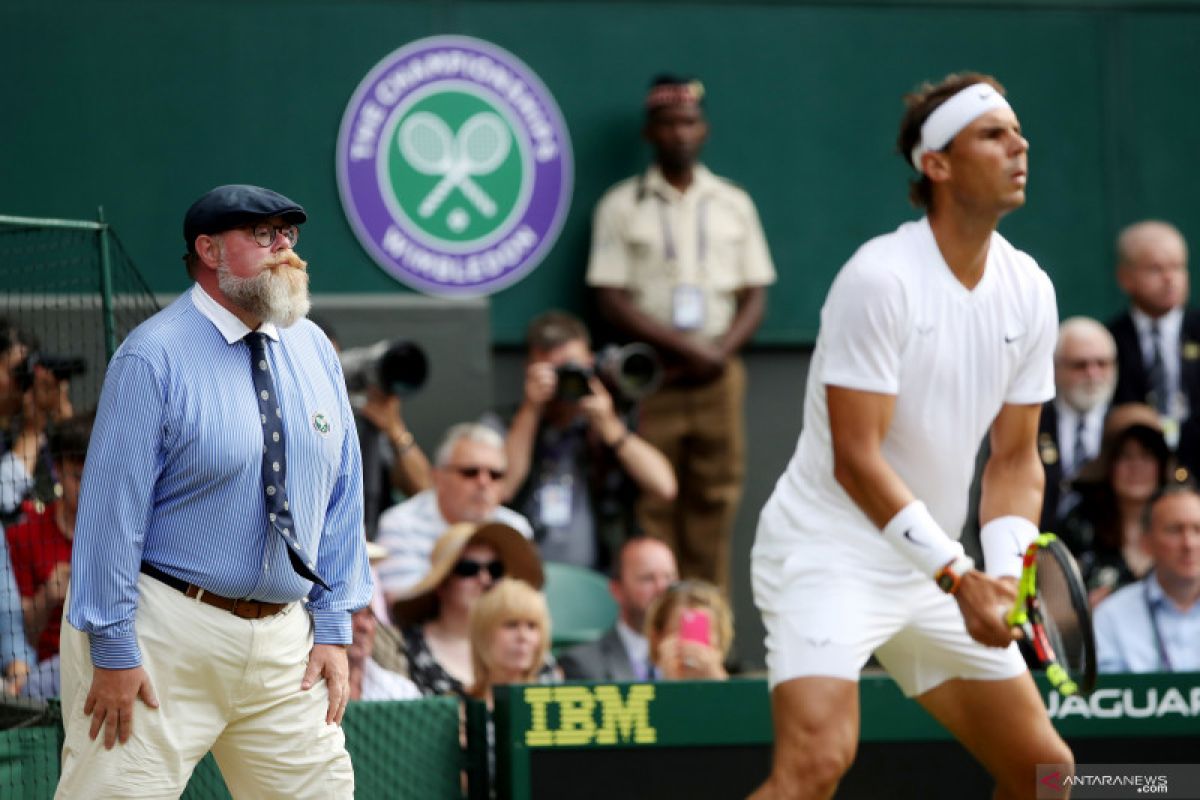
825,616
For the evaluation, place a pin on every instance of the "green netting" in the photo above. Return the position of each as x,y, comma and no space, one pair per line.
401,751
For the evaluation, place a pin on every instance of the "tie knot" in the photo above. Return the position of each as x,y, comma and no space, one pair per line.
257,342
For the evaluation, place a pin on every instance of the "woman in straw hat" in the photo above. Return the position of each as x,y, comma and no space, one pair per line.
1104,530
434,615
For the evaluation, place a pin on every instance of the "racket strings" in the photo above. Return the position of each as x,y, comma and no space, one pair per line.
1057,608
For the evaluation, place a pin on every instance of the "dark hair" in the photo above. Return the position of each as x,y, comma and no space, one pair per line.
69,439
554,329
1098,495
12,336
919,104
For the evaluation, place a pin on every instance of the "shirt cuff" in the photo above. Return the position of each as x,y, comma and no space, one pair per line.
119,652
330,627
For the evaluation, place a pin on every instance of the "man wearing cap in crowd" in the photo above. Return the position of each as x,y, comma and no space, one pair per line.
219,549
679,261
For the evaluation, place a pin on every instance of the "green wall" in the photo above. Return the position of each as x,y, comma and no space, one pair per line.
140,106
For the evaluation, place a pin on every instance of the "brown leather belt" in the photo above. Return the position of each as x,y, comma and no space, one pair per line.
246,609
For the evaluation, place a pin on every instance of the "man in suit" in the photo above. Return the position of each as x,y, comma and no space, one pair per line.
1158,338
1085,374
644,569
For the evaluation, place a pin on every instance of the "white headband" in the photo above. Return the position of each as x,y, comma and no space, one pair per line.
953,115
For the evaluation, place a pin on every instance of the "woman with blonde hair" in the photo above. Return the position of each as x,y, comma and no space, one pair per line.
690,630
510,638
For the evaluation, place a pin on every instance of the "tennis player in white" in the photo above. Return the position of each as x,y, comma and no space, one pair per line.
930,337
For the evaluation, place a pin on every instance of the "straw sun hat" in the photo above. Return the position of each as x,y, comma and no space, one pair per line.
519,557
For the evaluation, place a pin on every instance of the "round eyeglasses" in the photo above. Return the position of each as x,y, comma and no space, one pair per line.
264,233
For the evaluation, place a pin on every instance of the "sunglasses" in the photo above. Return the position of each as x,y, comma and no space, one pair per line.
471,473
469,568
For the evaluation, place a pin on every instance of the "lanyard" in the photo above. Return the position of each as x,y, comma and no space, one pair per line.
1163,658
669,251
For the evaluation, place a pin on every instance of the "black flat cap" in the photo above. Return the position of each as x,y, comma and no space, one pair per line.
227,207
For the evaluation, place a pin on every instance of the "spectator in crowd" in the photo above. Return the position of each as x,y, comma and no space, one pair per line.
368,679
32,400
510,638
16,654
218,551
644,568
40,548
1104,530
1072,423
391,457
1154,624
434,615
690,629
679,261
575,466
468,479
1158,338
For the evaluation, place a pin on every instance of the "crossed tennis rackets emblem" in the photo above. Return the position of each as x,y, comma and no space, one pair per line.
478,148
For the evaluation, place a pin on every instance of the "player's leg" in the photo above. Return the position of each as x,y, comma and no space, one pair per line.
167,742
1004,724
823,615
278,745
983,695
816,735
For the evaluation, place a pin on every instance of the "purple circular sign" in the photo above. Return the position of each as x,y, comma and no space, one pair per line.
454,166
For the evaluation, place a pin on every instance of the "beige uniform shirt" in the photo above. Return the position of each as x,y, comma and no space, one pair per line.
672,248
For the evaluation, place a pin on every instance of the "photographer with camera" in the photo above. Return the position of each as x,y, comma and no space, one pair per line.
34,396
377,377
574,463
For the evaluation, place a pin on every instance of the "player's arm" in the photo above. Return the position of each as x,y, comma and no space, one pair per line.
858,423
1011,490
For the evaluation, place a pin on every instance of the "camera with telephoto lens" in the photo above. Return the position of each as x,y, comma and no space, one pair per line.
62,367
632,371
395,367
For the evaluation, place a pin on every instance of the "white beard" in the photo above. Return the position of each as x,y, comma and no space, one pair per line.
271,295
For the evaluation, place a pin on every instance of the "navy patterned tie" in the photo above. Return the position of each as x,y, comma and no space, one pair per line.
274,461
1157,372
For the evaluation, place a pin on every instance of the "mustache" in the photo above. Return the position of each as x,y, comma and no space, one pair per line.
286,258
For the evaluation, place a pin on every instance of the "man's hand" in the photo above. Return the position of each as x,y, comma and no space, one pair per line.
541,382
702,360
54,590
601,415
329,661
383,411
985,602
15,675
110,702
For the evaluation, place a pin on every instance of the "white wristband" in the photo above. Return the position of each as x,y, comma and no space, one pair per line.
1004,541
917,536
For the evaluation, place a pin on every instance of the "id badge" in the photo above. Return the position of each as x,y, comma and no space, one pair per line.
687,307
554,504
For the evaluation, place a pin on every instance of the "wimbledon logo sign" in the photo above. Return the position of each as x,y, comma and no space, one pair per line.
454,166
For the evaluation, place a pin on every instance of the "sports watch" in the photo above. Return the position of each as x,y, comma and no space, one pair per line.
950,576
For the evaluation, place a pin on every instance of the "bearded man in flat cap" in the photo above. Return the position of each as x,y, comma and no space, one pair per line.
219,549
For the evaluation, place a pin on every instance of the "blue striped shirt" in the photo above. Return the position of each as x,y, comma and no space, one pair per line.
174,476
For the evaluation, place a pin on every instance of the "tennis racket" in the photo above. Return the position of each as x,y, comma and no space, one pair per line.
1052,611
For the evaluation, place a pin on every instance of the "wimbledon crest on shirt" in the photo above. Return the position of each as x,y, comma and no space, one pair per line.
454,166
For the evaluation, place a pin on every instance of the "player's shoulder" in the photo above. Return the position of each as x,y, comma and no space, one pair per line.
887,260
1016,261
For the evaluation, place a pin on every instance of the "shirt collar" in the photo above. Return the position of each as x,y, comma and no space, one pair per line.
702,181
636,645
232,328
1168,324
